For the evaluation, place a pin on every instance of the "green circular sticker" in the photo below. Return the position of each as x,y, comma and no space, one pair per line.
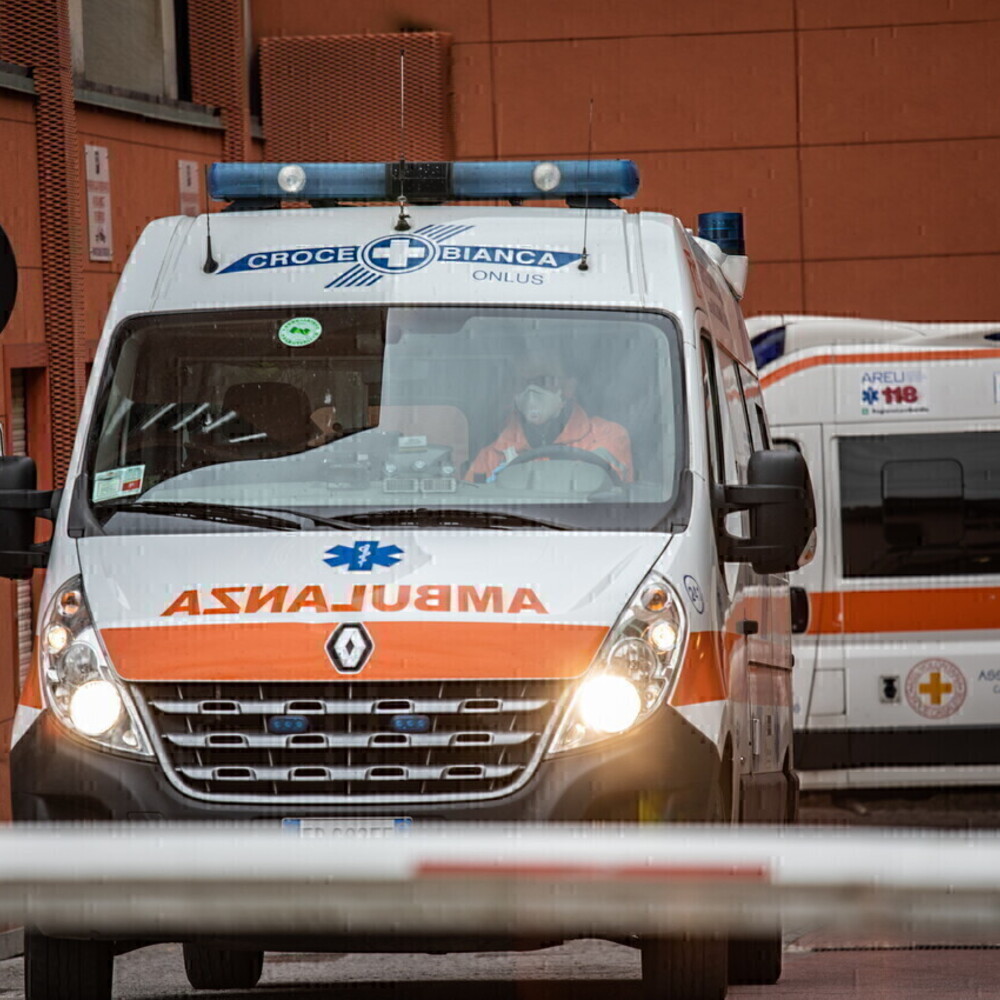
300,331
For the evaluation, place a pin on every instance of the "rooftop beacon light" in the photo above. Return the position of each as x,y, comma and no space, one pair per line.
423,182
725,243
724,229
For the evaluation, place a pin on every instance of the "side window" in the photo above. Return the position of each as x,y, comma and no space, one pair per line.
732,387
755,410
765,434
920,504
712,422
733,436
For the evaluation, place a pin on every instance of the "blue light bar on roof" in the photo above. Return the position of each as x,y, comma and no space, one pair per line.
428,182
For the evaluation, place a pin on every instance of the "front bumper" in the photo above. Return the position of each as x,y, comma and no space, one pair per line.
55,777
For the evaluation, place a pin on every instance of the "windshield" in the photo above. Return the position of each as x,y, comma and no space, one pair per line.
569,417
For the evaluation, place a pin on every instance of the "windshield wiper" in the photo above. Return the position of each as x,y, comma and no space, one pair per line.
264,517
439,517
219,512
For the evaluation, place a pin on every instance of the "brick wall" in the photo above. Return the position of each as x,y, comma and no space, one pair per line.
860,137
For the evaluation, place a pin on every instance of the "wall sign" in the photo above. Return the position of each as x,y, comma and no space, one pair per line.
189,186
98,202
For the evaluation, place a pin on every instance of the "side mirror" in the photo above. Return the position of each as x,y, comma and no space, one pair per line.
20,504
782,509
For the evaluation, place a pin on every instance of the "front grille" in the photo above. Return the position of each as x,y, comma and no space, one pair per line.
481,738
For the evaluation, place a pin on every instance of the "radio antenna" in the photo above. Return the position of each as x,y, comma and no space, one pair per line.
211,265
584,264
403,221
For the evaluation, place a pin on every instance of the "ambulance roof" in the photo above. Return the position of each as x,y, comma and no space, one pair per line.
884,387
418,251
451,255
778,336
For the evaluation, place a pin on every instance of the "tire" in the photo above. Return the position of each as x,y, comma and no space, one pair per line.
684,968
57,968
755,961
209,968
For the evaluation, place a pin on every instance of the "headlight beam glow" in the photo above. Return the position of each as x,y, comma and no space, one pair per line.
608,703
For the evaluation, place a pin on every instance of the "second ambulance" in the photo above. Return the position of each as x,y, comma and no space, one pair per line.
896,667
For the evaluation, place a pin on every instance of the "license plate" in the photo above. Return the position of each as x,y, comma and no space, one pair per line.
350,828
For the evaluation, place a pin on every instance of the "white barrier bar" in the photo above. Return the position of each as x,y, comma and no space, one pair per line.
569,880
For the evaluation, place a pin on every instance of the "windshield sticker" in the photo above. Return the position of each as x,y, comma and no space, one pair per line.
300,331
363,556
123,482
888,391
401,253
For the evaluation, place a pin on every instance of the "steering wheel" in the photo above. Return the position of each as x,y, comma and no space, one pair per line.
568,453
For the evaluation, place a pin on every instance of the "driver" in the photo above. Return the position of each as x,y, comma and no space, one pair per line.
546,413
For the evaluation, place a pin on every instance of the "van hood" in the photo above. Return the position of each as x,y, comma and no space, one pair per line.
430,605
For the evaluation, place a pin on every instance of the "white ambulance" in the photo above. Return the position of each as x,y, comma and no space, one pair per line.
897,676
398,514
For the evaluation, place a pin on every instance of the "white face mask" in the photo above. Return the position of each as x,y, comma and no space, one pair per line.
538,404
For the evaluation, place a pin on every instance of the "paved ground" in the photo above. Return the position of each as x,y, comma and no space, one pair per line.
974,810
583,970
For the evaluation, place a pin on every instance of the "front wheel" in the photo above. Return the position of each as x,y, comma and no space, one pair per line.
210,968
685,967
58,968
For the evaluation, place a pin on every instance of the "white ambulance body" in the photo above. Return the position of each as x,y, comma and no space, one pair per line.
311,568
897,676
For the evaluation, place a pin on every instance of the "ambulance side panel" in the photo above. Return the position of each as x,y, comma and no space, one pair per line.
755,607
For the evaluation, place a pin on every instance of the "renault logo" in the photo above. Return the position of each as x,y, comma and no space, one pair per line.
349,647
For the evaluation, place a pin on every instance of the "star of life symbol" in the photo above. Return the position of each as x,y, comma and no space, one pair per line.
350,647
869,396
935,688
362,557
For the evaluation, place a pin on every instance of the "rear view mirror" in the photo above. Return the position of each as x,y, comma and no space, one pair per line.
782,509
8,279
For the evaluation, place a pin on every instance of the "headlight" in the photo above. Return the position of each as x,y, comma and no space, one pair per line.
95,707
633,671
81,687
608,703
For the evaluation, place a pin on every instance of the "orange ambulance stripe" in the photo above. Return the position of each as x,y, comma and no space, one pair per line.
294,651
701,677
931,610
860,359
31,693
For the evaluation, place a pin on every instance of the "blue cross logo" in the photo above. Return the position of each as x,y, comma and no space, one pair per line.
396,254
363,556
